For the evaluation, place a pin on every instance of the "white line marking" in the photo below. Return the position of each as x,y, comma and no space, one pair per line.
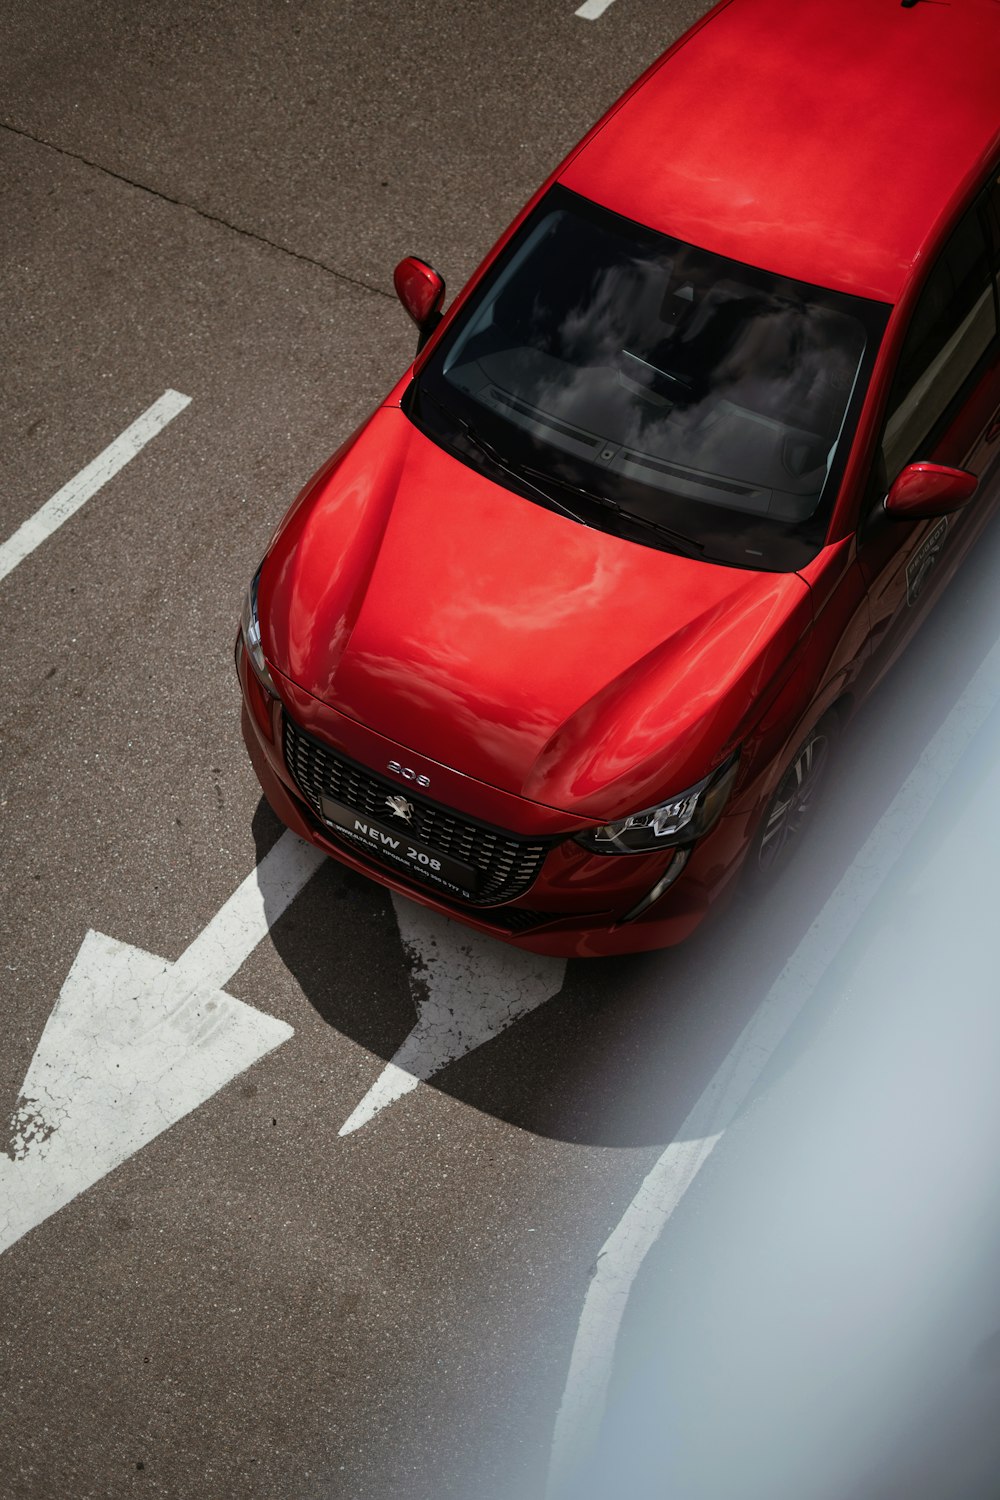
618,1263
468,988
251,911
591,10
78,491
134,1043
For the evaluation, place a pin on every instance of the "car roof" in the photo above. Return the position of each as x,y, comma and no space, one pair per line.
821,141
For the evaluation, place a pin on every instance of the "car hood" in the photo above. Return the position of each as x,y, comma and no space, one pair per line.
483,632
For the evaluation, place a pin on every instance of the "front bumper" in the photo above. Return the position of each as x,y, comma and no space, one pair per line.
577,903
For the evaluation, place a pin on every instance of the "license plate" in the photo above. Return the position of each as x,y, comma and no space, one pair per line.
394,846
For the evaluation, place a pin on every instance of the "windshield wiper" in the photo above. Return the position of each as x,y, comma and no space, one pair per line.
681,543
684,544
506,465
521,474
541,484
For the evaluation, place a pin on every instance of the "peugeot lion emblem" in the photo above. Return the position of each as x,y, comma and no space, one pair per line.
400,807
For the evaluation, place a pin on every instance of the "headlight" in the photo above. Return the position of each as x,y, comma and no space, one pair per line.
251,635
679,820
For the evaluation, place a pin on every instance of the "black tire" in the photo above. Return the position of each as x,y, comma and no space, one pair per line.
792,805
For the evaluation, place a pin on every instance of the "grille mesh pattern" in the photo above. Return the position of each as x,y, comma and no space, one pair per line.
507,864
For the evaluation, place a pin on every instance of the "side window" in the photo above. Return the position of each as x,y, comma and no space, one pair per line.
991,209
953,324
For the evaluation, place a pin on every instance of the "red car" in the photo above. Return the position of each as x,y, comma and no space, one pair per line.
559,640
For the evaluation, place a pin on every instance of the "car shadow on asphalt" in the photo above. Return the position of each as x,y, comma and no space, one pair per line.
620,1055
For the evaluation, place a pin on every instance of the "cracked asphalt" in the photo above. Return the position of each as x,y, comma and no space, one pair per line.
211,199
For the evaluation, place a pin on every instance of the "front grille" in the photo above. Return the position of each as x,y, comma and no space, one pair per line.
508,865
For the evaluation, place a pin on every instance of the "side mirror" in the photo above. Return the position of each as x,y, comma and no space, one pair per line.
421,291
924,490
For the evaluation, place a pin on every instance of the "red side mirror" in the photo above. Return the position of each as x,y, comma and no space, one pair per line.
922,490
421,291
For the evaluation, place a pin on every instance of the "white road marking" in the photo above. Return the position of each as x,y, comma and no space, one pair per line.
67,501
251,911
591,10
468,988
125,1054
134,1043
618,1262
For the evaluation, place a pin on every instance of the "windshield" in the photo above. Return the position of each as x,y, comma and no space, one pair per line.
653,387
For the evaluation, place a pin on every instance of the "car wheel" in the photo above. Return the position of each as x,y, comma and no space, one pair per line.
792,804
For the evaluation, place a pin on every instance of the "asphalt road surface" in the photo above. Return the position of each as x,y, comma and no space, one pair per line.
243,1253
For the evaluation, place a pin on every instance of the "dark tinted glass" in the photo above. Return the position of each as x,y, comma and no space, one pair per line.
991,212
954,288
952,326
689,390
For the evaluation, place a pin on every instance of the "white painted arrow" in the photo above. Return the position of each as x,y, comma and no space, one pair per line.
467,988
134,1043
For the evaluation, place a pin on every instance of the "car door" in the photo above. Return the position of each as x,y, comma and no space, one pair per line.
944,406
